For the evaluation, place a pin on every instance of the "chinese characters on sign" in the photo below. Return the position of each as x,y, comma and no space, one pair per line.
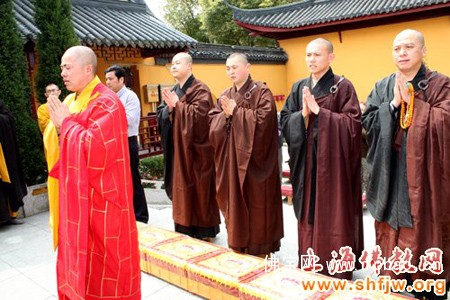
344,261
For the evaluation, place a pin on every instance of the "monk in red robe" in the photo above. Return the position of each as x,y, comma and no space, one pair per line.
408,160
322,127
188,155
244,134
98,255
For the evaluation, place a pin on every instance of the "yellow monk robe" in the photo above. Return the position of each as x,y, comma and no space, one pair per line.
4,175
43,117
76,104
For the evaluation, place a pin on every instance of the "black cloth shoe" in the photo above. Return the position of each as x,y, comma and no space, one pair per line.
15,221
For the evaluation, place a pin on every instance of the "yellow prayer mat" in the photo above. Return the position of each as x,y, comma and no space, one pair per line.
222,275
150,236
166,254
216,272
281,283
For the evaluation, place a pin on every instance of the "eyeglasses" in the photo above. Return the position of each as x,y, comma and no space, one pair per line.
52,91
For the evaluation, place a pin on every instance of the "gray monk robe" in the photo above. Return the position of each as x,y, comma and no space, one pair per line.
189,161
408,192
247,178
325,164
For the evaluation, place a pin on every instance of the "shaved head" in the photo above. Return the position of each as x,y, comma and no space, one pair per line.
326,42
184,56
78,67
181,68
238,69
239,56
417,35
408,52
84,56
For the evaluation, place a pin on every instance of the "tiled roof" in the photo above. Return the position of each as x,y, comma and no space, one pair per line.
218,53
110,23
321,13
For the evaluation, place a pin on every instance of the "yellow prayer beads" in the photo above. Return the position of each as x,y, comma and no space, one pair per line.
405,121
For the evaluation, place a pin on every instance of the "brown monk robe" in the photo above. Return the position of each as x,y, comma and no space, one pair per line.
244,134
188,155
324,159
409,191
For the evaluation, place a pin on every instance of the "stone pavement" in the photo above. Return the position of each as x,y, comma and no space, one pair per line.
27,261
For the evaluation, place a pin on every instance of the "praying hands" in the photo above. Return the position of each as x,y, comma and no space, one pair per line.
400,90
309,103
227,105
58,111
170,97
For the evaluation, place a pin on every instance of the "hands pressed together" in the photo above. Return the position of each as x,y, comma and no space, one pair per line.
400,90
170,98
227,105
58,111
309,103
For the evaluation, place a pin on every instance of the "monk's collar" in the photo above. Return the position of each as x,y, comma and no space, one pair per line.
188,83
245,87
86,92
181,91
325,78
419,77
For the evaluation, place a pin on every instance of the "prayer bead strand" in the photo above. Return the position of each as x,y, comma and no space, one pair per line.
405,121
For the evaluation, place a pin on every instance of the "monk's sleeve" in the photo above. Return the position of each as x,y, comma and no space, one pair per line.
218,127
166,131
429,149
342,127
339,147
251,130
439,133
73,190
96,145
293,125
164,123
43,117
380,123
439,176
192,115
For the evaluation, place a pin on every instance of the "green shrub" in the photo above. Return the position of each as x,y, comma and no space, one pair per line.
54,20
16,93
152,168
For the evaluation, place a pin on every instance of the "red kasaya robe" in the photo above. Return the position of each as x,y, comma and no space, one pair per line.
98,255
247,177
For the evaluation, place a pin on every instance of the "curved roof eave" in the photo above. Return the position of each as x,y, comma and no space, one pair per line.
315,13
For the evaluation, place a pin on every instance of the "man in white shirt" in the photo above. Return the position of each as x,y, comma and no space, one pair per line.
115,80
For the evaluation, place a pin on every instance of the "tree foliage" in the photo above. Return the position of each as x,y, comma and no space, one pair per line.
212,21
53,18
16,93
184,16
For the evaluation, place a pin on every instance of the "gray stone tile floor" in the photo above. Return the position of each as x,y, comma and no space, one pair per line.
28,262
